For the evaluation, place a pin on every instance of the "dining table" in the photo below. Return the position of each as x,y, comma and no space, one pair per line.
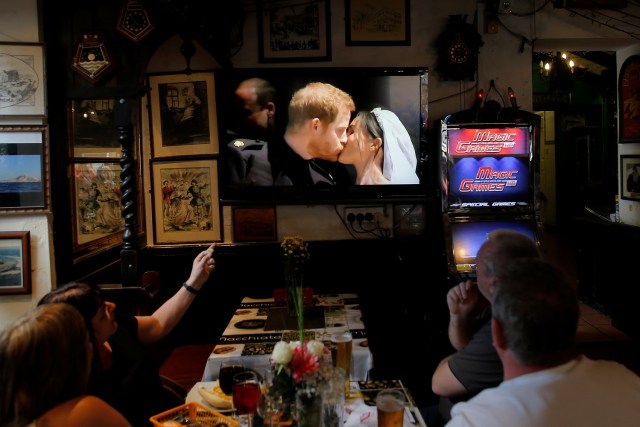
259,323
359,406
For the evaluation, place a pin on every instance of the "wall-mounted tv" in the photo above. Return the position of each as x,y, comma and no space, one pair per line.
465,235
487,167
401,90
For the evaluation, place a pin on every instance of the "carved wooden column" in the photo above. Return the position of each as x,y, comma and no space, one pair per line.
129,252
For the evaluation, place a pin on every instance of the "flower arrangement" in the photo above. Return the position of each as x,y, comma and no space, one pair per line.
300,367
295,254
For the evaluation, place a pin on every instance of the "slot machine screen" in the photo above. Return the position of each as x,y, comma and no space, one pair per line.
467,236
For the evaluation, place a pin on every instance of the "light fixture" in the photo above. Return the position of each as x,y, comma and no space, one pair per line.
561,60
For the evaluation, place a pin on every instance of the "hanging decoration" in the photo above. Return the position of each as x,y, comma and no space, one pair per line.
93,59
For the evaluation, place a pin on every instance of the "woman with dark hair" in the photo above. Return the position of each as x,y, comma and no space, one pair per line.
380,148
125,373
44,371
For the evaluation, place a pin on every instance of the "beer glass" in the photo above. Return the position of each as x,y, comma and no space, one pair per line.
341,348
390,407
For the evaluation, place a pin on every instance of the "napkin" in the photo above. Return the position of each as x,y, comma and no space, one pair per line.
364,415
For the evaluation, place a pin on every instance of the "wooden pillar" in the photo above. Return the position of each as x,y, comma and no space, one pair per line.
129,252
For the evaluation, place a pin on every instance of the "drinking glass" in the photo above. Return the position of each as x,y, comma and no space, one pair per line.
228,368
246,394
390,407
341,348
271,406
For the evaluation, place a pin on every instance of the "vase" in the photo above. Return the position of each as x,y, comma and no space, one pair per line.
308,406
294,294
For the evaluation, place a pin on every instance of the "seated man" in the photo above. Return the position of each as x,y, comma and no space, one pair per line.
475,365
546,383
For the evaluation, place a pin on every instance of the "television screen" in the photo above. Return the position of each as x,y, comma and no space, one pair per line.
252,156
487,167
466,235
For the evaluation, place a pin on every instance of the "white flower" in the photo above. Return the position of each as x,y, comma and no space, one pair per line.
282,353
316,348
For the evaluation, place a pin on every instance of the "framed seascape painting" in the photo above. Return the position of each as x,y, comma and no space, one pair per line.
294,31
186,205
630,177
22,86
96,205
183,114
15,263
24,169
92,129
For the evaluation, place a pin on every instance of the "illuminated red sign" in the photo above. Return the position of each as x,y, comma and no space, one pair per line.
488,142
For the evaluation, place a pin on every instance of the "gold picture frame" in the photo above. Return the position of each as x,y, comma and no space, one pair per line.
183,115
186,204
377,23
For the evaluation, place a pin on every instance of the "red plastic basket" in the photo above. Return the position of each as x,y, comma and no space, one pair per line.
192,412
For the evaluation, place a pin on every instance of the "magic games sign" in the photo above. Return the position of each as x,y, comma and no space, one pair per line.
489,182
490,141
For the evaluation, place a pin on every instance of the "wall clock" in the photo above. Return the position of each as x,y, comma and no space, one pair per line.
93,59
134,22
458,48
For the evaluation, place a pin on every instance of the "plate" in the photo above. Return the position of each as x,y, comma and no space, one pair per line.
250,324
194,396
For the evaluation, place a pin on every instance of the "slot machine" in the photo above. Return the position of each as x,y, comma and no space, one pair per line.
489,173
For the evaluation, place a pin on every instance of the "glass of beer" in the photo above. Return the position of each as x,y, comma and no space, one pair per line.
341,346
390,407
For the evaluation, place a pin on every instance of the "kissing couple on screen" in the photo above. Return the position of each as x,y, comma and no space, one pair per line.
376,142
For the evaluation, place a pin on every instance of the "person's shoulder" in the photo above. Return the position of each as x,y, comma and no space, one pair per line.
242,144
87,410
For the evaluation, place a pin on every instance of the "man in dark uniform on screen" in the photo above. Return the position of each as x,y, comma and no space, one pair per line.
252,149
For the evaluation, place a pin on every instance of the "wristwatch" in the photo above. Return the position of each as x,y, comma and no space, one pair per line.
134,22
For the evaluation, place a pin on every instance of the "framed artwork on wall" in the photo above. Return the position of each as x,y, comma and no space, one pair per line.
377,23
92,129
22,88
183,114
186,205
15,263
294,31
24,169
96,205
630,177
629,92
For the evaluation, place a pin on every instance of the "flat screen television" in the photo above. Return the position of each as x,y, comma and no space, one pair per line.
487,168
401,90
465,235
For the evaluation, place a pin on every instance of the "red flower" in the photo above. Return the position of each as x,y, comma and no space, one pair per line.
303,362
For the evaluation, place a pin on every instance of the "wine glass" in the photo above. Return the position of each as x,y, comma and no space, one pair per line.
228,368
271,405
246,394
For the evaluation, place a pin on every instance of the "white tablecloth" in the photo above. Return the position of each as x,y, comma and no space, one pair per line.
245,335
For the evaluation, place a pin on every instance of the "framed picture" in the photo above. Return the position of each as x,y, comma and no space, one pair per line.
630,177
377,23
254,224
15,263
96,205
186,205
24,169
183,115
629,88
92,129
294,31
22,87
